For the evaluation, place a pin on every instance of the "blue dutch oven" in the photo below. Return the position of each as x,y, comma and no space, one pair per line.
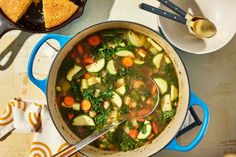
167,139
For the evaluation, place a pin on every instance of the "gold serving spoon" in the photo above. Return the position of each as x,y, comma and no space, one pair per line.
201,26
133,114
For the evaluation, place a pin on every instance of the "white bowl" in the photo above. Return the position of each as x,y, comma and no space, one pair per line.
220,12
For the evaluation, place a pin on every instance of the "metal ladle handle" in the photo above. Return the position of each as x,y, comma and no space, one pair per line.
72,149
68,151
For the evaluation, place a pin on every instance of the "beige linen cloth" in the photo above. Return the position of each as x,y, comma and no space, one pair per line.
26,116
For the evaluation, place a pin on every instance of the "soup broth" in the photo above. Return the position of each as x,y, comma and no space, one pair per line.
105,77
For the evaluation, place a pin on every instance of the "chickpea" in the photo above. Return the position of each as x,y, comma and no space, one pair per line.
133,104
92,114
106,105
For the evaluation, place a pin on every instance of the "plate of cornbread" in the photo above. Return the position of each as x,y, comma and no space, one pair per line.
40,15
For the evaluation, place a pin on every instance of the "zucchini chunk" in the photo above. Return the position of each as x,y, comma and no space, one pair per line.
173,93
147,132
64,84
166,103
121,90
72,72
124,53
154,44
139,62
120,82
162,84
76,106
93,80
111,67
96,66
83,120
157,60
147,45
167,59
136,39
64,105
116,99
126,129
153,50
58,88
84,84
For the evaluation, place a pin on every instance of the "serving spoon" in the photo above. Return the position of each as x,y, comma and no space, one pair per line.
201,26
72,149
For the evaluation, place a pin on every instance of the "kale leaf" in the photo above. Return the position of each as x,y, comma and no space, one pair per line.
170,72
107,94
143,128
101,119
124,109
106,52
75,91
127,143
166,116
66,65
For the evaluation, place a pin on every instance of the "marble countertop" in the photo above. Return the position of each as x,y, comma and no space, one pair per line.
212,77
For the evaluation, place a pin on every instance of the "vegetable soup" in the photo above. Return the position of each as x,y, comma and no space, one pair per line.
105,76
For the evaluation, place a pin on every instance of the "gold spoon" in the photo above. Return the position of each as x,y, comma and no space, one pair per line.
201,26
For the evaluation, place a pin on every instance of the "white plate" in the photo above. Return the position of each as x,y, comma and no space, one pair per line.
221,12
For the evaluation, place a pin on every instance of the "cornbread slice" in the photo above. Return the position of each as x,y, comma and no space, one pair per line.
57,11
36,1
14,9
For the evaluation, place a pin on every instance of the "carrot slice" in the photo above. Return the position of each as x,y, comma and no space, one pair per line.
88,60
69,100
141,119
94,40
154,90
155,127
87,75
133,133
150,137
80,49
127,62
85,105
143,111
70,115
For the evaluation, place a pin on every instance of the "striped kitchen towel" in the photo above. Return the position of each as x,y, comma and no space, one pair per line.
26,116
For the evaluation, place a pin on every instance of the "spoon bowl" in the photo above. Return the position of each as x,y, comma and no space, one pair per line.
202,27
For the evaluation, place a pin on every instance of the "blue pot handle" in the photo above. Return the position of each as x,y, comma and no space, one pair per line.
43,83
194,100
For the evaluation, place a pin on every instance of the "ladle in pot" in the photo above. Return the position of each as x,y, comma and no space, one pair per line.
150,108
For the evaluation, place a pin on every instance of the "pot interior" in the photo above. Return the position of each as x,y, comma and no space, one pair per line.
173,127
